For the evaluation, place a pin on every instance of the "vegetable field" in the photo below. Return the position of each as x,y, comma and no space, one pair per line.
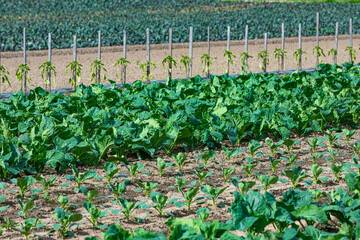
258,156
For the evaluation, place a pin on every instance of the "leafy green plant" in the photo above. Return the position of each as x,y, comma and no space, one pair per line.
242,186
318,51
185,60
29,226
314,144
110,171
118,189
244,56
189,197
289,145
145,67
180,160
95,214
64,203
299,52
161,166
4,75
278,54
147,187
205,156
24,185
332,138
316,170
80,178
226,172
206,63
134,169
67,220
272,146
202,175
180,182
75,69
171,62
47,68
233,153
352,53
274,163
264,56
25,208
47,184
96,67
229,59
248,168
267,180
336,169
161,201
23,69
90,194
333,52
203,214
317,194
295,175
122,62
253,147
129,207
291,160
213,193
348,134
8,224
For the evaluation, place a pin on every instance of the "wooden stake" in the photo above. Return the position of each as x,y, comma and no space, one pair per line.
75,59
190,50
246,45
228,48
265,48
282,47
170,52
336,41
124,52
317,39
48,86
99,56
351,39
148,55
300,49
24,74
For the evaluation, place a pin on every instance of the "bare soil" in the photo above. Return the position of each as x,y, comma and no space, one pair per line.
61,57
152,221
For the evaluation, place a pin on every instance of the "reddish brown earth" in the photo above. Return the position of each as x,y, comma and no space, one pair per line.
61,57
152,221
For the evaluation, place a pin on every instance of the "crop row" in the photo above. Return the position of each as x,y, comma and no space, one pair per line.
67,18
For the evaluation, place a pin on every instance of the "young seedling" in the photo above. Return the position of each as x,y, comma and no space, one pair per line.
279,54
274,163
95,214
203,214
170,61
314,144
206,156
356,162
233,153
202,176
118,189
4,77
29,226
272,146
242,186
180,160
296,176
90,195
267,180
129,207
134,169
332,52
67,220
26,207
332,138
189,197
110,171
80,178
64,203
19,74
229,59
244,56
226,172
253,147
9,224
348,134
47,68
161,201
250,166
147,187
47,184
290,145
185,60
96,67
206,63
213,193
264,56
180,183
317,194
161,166
316,171
24,185
356,148
352,53
336,169
145,67
318,51
297,54
75,69
122,62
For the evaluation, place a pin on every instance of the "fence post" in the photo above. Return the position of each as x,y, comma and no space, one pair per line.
228,48
317,39
246,46
124,52
208,45
75,60
282,47
265,48
24,73
99,56
351,39
170,52
300,49
48,86
336,41
148,55
190,50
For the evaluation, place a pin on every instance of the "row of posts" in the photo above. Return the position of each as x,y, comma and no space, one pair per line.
48,86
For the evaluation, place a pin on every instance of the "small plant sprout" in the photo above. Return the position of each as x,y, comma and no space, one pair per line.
67,220
65,204
161,166
291,160
90,194
202,175
279,54
226,172
348,134
19,74
244,56
317,194
316,171
314,144
96,67
4,76
24,185
29,226
242,186
213,193
118,189
336,169
356,148
185,60
129,207
206,156
180,160
170,61
274,163
248,168
110,171
352,53
233,153
134,169
229,59
318,51
297,54
203,214
80,178
206,63
161,201
47,184
8,225
332,138
75,70
332,52
189,197
147,187
145,67
95,214
264,56
47,68
253,147
290,145
122,62
25,208
272,146
267,180
295,175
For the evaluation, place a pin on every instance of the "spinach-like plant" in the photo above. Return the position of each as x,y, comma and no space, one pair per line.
348,134
352,53
202,175
90,194
171,62
296,176
206,156
314,144
24,185
206,63
299,52
332,138
189,197
29,226
203,214
19,74
279,54
26,207
75,69
318,51
145,67
317,194
289,145
118,189
161,201
336,169
244,56
161,166
147,187
122,62
273,146
95,214
185,60
356,148
110,170
233,153
129,207
242,186
96,67
264,56
8,225
80,178
253,147
180,160
229,59
248,168
47,184
226,172
316,170
267,180
65,204
274,163
213,193
47,68
4,75
134,169
67,220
